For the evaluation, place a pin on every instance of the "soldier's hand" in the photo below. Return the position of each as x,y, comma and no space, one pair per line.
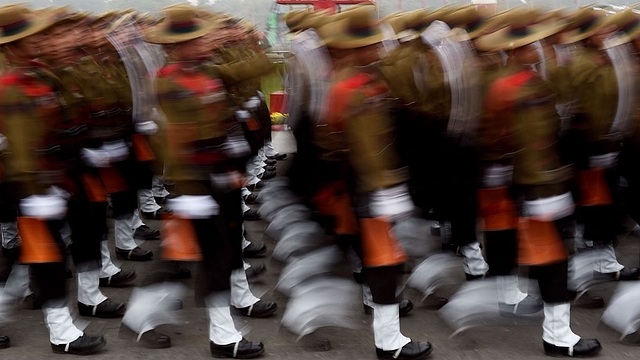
146,127
95,157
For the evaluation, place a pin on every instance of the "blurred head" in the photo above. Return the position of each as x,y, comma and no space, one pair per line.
60,41
192,50
27,48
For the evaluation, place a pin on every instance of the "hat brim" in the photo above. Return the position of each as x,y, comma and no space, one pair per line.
343,41
500,40
576,35
160,34
407,35
38,24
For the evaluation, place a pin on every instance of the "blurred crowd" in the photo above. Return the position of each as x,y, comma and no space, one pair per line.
512,135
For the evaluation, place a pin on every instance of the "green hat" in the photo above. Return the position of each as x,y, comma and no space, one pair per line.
359,29
520,32
181,23
18,22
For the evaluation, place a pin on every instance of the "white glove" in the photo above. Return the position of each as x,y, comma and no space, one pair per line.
236,146
117,150
59,192
95,157
48,207
4,144
394,202
243,115
252,103
146,127
193,207
227,181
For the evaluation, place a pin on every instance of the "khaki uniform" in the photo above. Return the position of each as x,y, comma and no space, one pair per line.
196,105
593,81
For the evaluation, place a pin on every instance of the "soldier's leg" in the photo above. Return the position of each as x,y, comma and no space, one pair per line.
600,227
220,257
558,338
241,296
50,283
125,202
87,220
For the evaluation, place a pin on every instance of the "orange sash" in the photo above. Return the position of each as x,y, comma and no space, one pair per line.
497,209
180,242
141,148
333,202
94,188
593,188
38,245
379,246
113,181
539,242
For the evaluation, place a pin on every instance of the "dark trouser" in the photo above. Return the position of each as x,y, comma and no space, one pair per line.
456,191
502,251
48,280
630,168
264,117
87,219
125,202
8,214
600,221
220,239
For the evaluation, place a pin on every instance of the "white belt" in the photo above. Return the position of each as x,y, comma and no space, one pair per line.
497,176
552,208
604,161
392,202
194,206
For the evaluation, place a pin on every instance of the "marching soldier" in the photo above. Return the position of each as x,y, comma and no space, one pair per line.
359,137
204,155
599,121
520,128
87,211
35,120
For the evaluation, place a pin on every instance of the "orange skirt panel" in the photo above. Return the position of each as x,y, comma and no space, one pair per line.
593,186
179,242
38,245
379,246
496,209
539,242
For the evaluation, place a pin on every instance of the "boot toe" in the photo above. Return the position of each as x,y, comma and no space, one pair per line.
84,345
244,350
136,254
4,342
260,309
106,309
583,348
411,351
122,278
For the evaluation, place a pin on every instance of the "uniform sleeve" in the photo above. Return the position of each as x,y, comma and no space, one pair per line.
494,127
22,132
237,71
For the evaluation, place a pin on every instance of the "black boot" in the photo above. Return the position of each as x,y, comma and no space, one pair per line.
411,351
244,350
584,347
4,342
84,345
